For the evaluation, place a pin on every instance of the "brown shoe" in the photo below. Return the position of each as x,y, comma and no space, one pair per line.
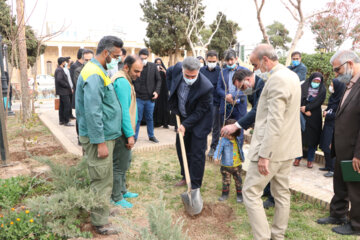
297,162
309,164
180,183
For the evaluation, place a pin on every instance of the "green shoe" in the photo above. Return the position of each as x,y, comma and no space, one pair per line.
130,195
123,203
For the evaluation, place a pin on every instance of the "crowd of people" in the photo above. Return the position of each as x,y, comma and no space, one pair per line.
113,93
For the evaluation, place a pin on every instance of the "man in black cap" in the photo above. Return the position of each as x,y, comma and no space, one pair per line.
63,89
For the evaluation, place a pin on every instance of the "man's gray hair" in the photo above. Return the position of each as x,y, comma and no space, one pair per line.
345,55
265,50
191,64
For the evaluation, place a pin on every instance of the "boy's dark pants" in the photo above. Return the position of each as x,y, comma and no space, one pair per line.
226,173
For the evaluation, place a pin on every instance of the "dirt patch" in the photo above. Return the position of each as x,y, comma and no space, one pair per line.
212,223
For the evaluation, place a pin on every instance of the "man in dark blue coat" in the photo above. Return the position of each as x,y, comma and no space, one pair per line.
297,66
232,101
211,71
191,99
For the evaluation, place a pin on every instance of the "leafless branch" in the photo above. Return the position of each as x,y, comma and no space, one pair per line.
291,11
214,32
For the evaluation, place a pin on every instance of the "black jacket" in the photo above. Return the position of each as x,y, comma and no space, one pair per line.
198,106
72,72
313,126
62,86
152,78
333,104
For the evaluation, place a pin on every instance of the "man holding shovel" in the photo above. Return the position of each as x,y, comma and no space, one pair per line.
191,99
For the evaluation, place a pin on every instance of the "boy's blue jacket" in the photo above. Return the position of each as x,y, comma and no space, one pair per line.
225,150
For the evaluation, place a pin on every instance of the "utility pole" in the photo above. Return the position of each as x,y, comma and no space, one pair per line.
4,147
25,99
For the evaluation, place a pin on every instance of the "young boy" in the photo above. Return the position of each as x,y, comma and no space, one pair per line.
230,152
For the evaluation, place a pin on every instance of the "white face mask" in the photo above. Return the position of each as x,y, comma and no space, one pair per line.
144,61
211,65
201,64
346,77
264,75
331,89
190,81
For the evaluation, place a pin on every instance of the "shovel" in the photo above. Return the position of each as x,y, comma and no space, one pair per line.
191,198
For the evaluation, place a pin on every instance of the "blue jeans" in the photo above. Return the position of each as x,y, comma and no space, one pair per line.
311,154
145,107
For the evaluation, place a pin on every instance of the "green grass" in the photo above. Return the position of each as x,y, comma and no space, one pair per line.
157,171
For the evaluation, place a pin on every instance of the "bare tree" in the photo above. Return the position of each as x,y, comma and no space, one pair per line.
196,25
261,25
21,40
296,11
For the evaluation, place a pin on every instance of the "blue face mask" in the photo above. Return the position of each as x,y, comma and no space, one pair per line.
295,63
190,81
231,67
315,84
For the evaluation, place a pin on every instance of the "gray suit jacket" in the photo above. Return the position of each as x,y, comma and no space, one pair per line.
277,133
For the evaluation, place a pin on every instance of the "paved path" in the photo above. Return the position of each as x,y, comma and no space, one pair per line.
310,183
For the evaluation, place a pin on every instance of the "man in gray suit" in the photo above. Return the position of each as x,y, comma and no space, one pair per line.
275,143
346,146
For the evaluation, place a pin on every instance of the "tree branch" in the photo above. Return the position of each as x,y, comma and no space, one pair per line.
291,12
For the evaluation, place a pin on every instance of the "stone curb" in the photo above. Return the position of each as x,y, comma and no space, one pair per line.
305,194
59,135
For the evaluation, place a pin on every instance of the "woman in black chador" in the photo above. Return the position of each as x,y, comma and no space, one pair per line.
161,110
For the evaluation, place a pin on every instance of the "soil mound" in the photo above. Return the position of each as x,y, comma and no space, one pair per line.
212,223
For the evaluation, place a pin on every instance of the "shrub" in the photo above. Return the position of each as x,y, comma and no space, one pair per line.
64,177
161,227
63,212
22,224
12,190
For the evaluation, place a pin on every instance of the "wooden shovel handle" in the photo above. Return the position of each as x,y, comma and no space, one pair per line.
183,153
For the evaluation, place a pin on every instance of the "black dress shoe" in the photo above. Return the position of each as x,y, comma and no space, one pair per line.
332,220
153,139
324,169
61,123
69,124
345,229
329,174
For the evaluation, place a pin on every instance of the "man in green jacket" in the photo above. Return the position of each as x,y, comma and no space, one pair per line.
124,88
99,116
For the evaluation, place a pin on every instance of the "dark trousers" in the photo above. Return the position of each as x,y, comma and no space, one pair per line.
195,152
267,192
64,108
343,193
216,126
329,161
70,109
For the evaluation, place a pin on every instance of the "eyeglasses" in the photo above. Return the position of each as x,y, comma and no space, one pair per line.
337,69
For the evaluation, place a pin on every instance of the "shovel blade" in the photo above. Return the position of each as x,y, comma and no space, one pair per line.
193,203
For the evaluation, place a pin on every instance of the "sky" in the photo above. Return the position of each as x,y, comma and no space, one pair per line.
95,18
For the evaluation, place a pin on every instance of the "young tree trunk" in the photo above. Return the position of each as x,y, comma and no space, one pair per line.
23,61
261,25
176,55
298,35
